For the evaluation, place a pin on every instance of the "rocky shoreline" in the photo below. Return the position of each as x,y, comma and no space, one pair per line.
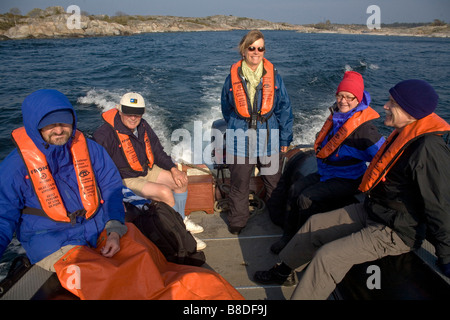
52,23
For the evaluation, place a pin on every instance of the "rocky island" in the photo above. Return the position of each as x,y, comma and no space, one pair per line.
53,23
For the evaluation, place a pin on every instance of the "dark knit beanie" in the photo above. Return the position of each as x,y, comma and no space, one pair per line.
416,97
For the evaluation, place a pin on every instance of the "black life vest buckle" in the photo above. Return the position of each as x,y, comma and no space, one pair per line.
253,121
73,215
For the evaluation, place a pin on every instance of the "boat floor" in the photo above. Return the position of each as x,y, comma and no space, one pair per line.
234,257
238,257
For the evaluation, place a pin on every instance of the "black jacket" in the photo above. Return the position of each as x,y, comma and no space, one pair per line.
414,200
106,137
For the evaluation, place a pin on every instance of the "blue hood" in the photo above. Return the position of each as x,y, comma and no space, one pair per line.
36,106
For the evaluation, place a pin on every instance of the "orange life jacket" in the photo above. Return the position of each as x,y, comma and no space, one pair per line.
43,183
385,159
357,119
239,93
127,146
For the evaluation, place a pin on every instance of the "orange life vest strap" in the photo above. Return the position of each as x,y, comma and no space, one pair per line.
44,184
127,146
386,158
356,120
87,184
240,96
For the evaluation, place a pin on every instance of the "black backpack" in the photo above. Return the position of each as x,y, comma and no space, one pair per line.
165,228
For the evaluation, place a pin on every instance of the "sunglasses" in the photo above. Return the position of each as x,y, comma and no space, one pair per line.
260,49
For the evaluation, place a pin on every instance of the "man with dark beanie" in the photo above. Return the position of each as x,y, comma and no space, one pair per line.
407,200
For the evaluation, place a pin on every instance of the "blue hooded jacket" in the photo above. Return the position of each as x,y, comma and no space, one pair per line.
41,236
349,160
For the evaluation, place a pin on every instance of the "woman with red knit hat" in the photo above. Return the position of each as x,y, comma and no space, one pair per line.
347,140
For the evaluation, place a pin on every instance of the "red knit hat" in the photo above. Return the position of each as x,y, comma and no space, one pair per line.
352,82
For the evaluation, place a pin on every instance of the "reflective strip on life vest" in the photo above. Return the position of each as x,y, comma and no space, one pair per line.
383,161
42,180
240,95
356,120
127,146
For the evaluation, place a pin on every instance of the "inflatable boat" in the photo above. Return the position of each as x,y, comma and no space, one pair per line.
237,257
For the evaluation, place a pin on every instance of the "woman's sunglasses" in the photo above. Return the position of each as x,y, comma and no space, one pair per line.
260,49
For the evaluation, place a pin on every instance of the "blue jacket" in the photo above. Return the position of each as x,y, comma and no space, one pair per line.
41,236
282,120
349,160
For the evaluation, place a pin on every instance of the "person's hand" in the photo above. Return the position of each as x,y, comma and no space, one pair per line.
180,177
284,149
446,269
112,245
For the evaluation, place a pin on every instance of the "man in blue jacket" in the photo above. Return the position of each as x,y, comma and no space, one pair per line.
58,188
61,193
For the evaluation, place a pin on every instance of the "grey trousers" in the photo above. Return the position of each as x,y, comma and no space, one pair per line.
240,175
330,243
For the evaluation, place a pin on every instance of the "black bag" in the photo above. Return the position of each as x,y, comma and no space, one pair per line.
296,168
165,228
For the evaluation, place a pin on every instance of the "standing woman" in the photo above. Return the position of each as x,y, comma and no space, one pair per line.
258,112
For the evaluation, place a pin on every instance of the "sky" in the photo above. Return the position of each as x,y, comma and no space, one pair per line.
290,11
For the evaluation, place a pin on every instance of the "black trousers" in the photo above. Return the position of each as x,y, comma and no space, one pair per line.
309,195
240,175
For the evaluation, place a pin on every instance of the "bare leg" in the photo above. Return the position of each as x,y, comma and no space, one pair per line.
161,190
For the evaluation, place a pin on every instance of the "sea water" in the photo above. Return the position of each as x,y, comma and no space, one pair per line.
181,75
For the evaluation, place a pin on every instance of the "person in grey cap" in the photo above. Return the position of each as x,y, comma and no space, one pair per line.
407,200
145,167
